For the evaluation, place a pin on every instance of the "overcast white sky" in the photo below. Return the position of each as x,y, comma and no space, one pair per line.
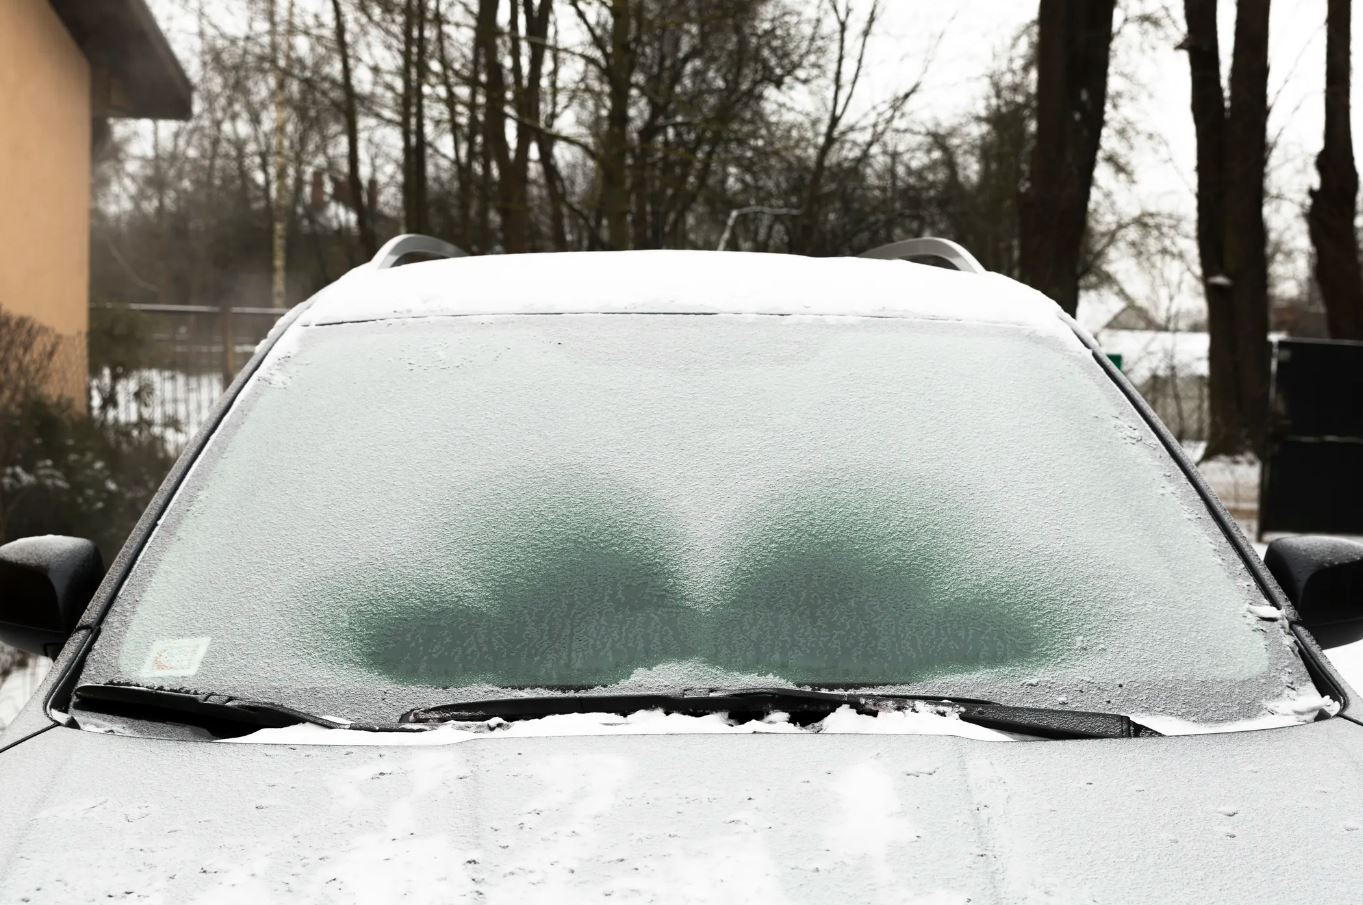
975,29
973,33
1156,77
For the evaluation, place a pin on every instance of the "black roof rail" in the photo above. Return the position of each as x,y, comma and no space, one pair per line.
930,247
404,246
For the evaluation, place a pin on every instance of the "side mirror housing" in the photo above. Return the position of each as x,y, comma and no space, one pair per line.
45,585
1322,576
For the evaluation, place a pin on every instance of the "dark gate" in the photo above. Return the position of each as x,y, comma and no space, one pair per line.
1312,477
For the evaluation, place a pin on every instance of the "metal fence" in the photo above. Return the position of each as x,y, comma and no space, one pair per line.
192,352
1181,402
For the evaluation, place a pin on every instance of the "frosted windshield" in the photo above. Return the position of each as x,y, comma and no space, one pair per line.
408,512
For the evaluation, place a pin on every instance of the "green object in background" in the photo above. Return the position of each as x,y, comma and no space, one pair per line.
1115,358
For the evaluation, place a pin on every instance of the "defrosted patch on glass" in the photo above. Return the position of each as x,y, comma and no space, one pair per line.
171,657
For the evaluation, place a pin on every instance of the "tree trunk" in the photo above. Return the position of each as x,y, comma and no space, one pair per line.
279,212
545,148
1244,234
1331,216
405,114
514,166
511,208
363,221
1071,93
465,162
1209,123
1231,155
419,216
615,151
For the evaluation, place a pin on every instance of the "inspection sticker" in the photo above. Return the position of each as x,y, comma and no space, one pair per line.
174,657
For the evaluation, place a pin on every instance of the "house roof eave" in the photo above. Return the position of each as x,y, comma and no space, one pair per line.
134,71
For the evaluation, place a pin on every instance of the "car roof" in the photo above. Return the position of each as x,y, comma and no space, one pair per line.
682,282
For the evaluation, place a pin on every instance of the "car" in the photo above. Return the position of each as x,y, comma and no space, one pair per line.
681,576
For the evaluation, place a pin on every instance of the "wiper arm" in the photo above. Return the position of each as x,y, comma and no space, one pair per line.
199,707
1038,721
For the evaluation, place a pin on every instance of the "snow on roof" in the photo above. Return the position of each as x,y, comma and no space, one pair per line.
1097,308
683,282
1147,353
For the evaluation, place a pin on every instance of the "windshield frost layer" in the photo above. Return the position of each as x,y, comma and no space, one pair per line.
409,512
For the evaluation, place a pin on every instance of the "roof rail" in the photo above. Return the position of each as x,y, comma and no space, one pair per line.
931,247
399,247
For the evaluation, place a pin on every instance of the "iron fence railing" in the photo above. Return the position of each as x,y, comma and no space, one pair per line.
1181,402
187,355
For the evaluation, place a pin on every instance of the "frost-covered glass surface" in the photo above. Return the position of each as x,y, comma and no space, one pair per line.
407,512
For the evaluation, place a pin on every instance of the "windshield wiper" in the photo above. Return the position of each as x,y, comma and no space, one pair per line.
198,707
799,702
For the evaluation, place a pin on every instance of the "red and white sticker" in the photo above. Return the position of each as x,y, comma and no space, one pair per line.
171,657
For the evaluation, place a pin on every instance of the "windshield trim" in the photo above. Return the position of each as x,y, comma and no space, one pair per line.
70,662
1323,673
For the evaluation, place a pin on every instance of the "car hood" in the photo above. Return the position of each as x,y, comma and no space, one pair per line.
1273,815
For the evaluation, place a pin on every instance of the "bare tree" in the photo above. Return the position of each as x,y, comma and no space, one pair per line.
968,185
420,195
415,198
350,113
510,207
279,57
1209,121
579,124
848,66
1333,205
1073,47
1246,239
526,47
1231,156
613,44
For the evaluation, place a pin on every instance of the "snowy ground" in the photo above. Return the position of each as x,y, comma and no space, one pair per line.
18,686
1236,483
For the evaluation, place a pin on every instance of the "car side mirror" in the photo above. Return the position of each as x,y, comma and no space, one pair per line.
45,585
1322,576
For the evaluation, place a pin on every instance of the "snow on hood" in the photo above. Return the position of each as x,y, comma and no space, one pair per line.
800,818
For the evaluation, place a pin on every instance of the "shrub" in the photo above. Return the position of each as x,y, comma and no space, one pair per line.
61,470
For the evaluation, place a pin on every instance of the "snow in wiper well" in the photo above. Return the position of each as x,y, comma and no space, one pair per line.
803,706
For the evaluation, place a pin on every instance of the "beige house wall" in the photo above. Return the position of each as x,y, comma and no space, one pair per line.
45,181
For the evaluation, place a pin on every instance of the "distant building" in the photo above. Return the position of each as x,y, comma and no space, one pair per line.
66,66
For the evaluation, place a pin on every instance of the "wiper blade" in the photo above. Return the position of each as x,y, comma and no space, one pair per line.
198,707
692,702
1037,721
1044,722
1052,723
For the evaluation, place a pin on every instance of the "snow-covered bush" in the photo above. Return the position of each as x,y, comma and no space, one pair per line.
63,471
